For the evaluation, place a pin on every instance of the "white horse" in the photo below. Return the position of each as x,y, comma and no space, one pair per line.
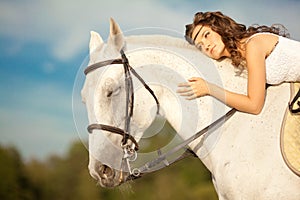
243,154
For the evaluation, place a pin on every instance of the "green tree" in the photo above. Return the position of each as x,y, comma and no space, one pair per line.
66,177
14,183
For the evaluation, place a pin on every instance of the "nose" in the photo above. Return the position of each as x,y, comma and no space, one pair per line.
207,46
105,172
105,175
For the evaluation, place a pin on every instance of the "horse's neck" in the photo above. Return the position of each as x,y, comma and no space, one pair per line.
171,63
162,41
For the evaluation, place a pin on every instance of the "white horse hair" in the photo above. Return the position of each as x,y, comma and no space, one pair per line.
243,155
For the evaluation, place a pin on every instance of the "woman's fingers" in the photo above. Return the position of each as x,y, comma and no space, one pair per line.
190,93
185,89
194,88
194,96
185,84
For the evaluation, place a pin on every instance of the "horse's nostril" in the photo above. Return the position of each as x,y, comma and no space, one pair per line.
105,171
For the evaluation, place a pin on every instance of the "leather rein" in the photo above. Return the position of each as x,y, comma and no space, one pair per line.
130,151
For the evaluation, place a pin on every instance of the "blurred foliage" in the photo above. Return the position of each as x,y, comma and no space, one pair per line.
14,180
67,177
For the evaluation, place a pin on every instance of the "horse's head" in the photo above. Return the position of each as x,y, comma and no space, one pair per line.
100,93
104,93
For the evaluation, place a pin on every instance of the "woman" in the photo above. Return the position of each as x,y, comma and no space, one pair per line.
265,52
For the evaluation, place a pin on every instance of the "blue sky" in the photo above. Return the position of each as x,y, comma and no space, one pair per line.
43,43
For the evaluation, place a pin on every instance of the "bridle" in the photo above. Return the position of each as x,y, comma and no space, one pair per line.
130,150
129,98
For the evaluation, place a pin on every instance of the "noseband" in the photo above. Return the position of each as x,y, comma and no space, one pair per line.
130,151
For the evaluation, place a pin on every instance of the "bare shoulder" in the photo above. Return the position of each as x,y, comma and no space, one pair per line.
261,43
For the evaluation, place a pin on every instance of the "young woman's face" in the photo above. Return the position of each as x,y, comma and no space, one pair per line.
209,42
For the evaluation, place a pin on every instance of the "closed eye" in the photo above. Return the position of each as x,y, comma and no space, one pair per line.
206,34
109,93
114,92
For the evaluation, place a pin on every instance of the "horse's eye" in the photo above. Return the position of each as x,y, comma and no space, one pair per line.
109,93
113,92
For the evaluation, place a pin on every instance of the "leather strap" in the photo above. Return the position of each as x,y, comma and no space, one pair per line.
102,64
161,158
112,129
292,103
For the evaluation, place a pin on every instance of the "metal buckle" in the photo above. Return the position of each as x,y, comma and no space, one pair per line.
130,155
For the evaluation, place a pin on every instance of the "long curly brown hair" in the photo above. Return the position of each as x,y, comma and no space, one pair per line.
230,31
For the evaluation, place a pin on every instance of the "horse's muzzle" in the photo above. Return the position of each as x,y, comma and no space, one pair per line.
108,177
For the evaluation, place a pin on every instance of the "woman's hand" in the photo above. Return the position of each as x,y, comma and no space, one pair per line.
194,88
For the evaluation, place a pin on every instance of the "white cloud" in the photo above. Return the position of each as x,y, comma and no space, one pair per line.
65,25
48,67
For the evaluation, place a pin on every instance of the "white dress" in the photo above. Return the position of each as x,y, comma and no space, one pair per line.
283,64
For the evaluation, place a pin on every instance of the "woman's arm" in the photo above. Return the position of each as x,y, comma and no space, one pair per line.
254,100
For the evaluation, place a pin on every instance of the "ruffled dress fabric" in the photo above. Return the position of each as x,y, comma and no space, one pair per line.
283,64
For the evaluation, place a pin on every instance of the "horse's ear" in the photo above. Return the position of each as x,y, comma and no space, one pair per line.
114,28
116,36
95,41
